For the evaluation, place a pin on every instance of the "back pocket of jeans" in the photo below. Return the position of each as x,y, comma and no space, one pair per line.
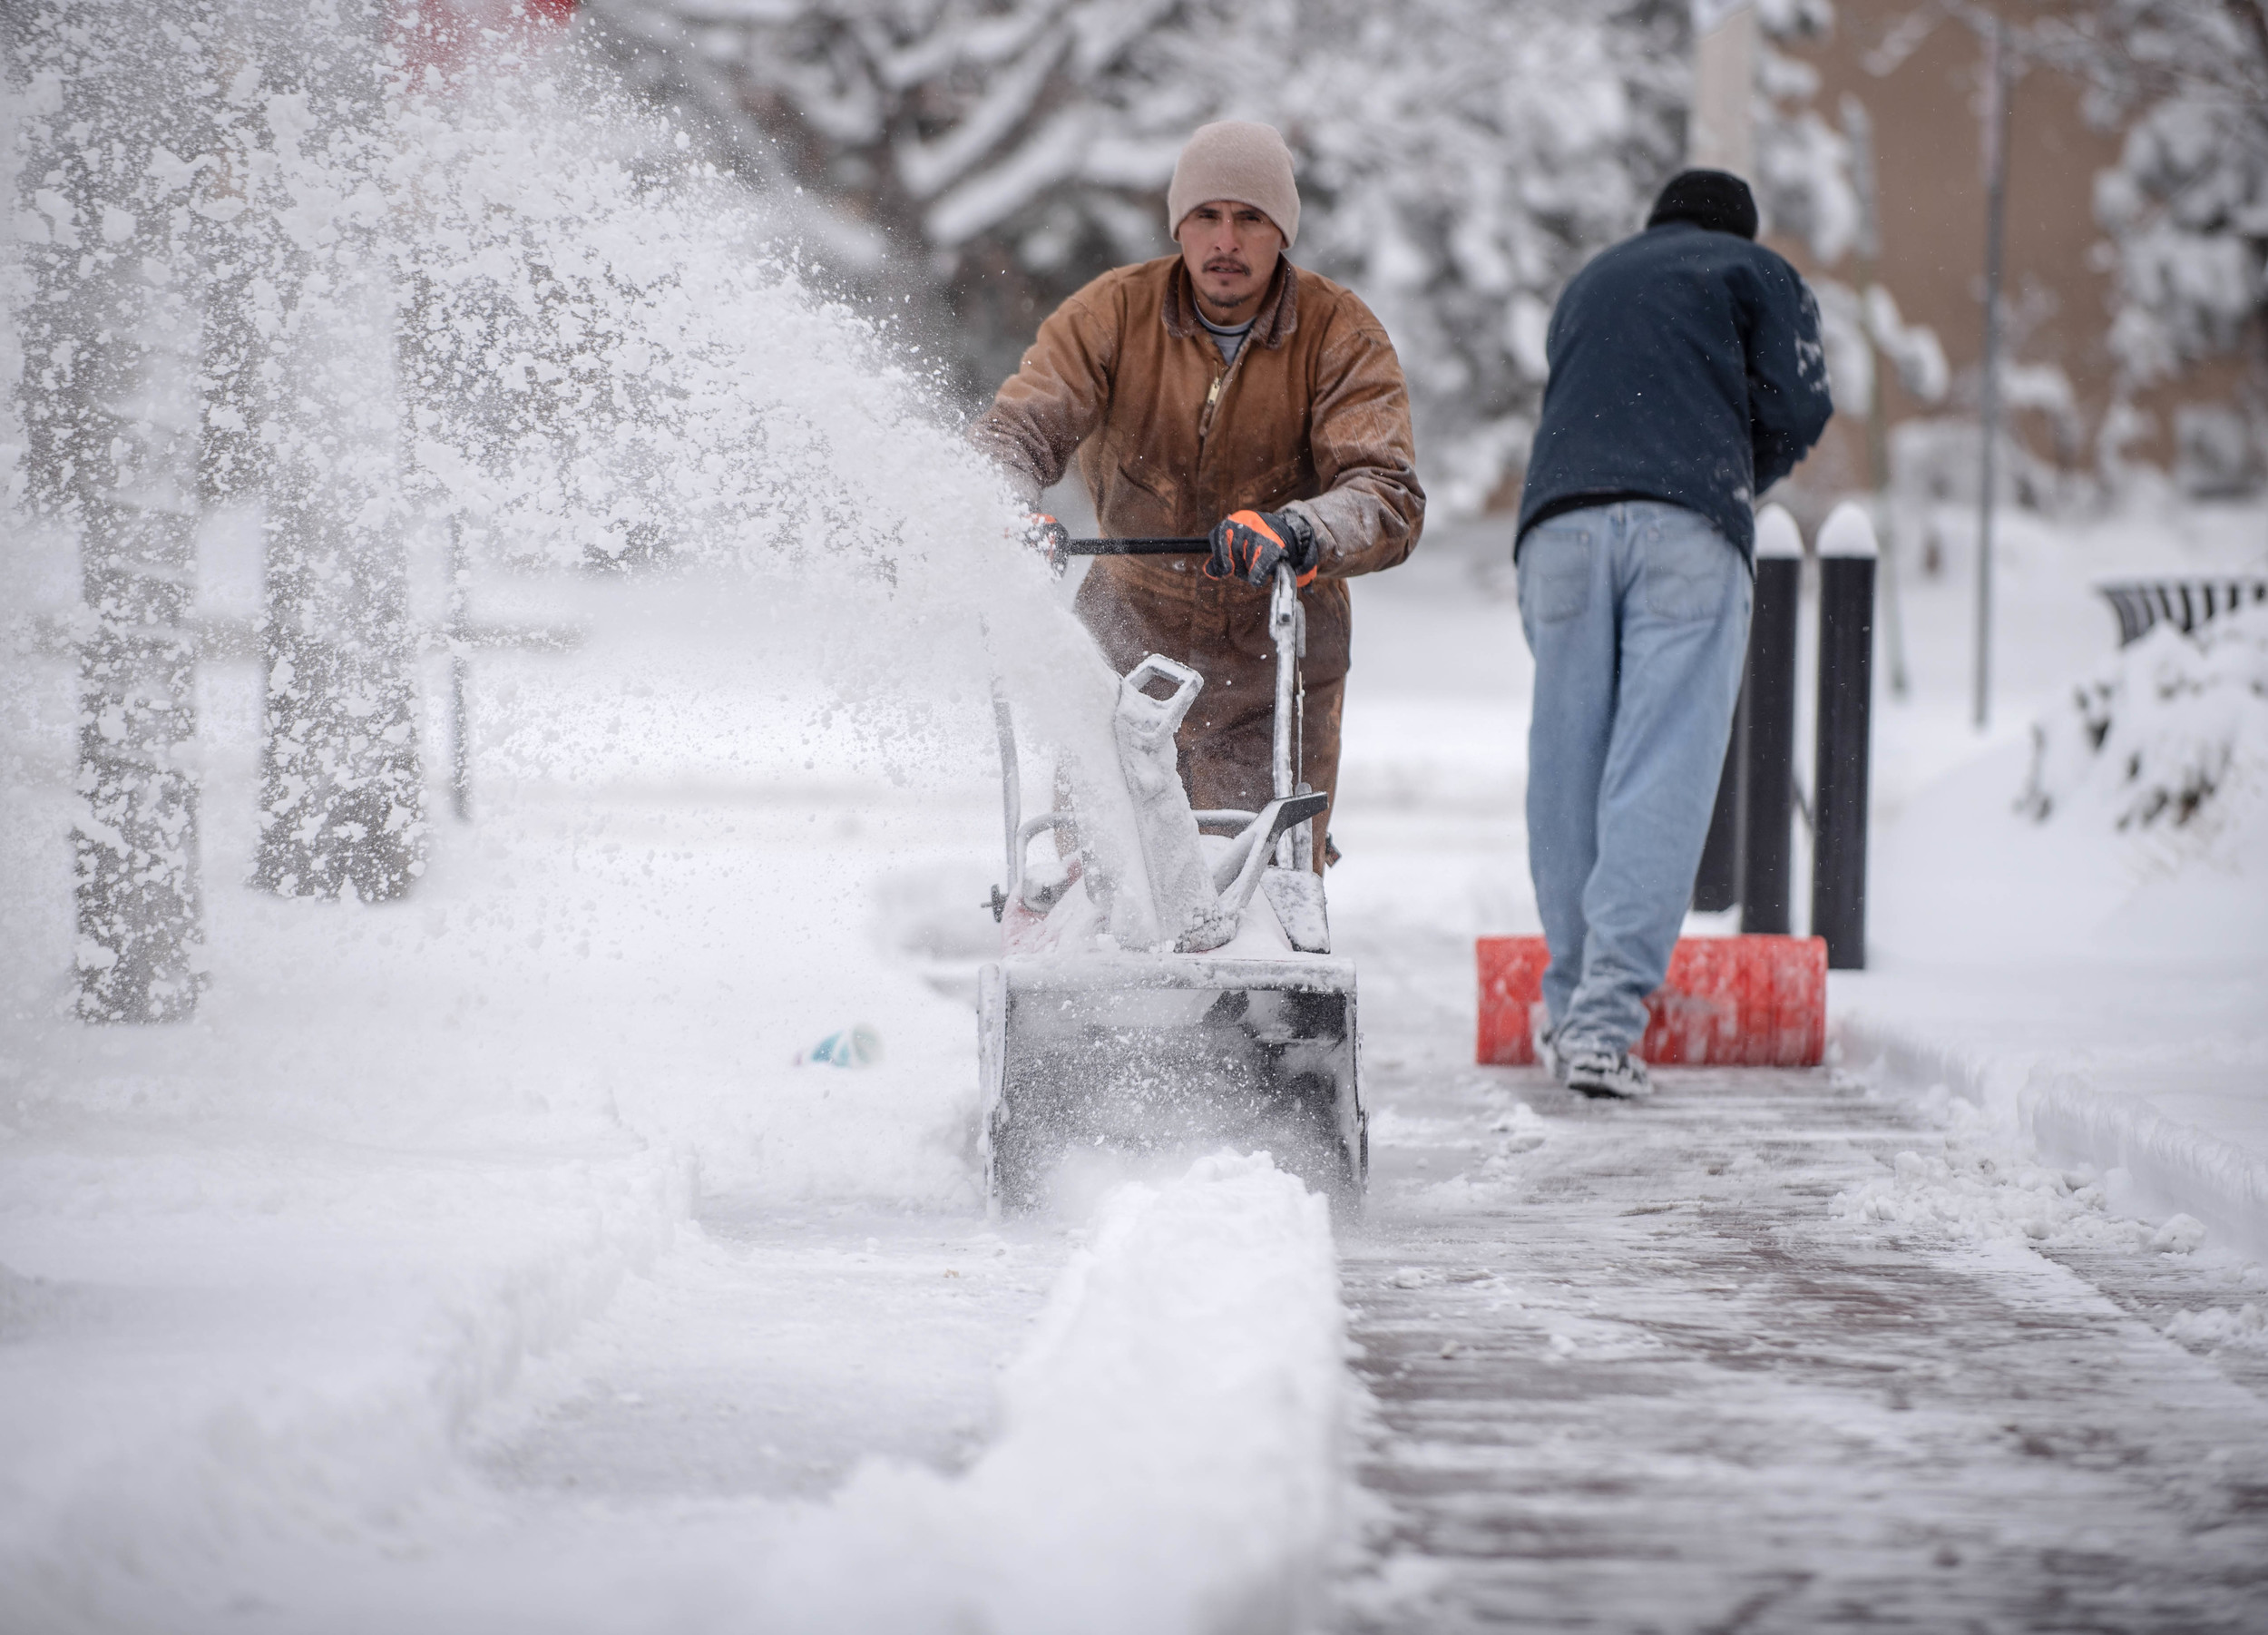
1686,571
1555,572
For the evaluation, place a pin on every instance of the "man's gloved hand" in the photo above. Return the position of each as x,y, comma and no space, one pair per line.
1044,534
1252,543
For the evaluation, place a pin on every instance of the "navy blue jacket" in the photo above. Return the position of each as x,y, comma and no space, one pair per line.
1685,366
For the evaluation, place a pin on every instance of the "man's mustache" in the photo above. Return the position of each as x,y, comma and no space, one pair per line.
1226,264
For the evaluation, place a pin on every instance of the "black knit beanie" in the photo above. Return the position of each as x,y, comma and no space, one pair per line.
1717,200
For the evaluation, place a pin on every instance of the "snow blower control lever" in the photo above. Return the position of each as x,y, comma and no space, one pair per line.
1287,623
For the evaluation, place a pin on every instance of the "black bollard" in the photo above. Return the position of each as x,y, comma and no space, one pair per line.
1717,884
1768,730
1846,680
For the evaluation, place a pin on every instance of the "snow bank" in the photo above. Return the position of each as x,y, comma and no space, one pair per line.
2170,735
2071,932
185,1396
1975,1188
2077,1106
1169,1461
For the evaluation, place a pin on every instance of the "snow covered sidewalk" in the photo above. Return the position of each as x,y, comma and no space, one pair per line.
1642,1369
1826,1349
299,1424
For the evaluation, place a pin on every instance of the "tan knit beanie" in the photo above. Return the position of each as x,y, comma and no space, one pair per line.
1240,161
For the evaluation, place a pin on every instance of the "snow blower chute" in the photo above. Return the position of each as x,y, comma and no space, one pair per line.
1175,990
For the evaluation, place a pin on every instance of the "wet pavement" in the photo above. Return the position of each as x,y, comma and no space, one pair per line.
1629,1372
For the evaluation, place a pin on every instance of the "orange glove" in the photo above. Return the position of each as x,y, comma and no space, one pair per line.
1252,543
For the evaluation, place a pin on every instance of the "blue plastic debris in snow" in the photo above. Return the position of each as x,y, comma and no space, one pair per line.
858,1046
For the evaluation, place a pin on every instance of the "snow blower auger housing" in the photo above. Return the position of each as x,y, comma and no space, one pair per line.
1181,994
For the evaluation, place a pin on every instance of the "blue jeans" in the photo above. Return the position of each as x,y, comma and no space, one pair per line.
1638,614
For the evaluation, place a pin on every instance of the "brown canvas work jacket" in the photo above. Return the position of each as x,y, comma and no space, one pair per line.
1312,417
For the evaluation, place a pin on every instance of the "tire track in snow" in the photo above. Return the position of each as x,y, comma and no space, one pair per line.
1631,1374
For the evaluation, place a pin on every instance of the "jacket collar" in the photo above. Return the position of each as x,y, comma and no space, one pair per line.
1279,310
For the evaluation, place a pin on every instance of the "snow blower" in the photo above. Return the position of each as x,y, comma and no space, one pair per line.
1178,991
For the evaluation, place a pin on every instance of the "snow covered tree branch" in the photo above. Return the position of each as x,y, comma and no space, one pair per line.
2186,205
1457,160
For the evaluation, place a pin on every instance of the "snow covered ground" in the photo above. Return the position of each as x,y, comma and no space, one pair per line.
487,1261
2100,990
487,1257
501,1259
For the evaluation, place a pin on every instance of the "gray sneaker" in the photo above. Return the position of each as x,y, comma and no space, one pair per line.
1546,1038
1620,1075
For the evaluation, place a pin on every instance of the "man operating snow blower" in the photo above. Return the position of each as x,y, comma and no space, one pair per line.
1686,378
1224,392
1244,430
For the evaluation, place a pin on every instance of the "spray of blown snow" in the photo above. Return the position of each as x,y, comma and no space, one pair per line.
416,304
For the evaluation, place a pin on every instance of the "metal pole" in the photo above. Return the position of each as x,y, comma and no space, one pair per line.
1996,157
1283,628
1717,884
1011,795
1842,749
1859,128
1768,751
460,678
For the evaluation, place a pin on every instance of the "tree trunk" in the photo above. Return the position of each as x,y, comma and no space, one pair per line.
342,796
109,394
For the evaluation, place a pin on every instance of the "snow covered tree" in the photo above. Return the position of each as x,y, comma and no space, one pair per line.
979,159
111,339
2186,205
1815,184
1460,163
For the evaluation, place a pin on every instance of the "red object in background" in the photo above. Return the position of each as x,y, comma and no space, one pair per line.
443,34
1728,1001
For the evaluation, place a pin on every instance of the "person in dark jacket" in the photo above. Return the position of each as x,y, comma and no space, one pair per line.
1687,379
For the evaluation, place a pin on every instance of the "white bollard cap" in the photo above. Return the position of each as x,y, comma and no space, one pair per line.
1848,530
1777,534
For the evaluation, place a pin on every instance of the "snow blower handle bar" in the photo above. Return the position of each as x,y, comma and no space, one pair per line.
1135,547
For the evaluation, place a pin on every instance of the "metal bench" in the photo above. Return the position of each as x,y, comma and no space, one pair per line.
2183,603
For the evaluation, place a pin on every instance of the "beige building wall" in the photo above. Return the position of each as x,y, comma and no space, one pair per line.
1920,73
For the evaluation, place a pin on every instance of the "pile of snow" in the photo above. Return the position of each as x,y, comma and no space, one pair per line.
2069,929
2170,735
1168,1462
1977,1186
2213,1327
1171,1458
2131,821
